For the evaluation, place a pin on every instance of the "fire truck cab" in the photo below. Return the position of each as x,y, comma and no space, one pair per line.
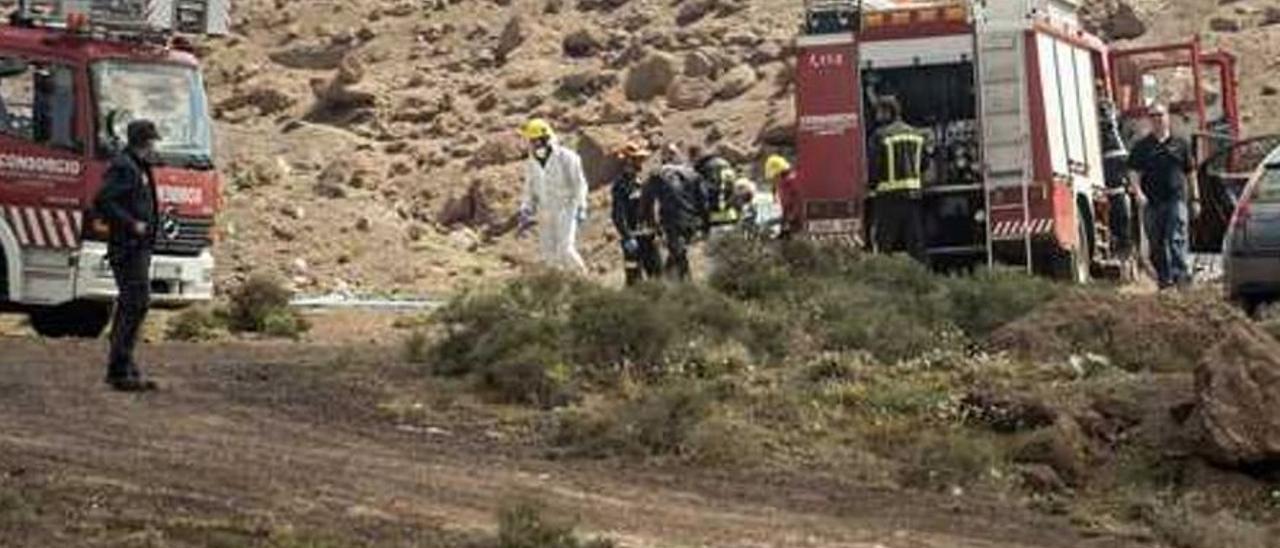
1011,92
73,74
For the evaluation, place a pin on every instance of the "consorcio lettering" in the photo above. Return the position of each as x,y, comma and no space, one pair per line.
38,164
829,124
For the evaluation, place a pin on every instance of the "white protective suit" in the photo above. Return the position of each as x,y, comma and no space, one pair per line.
555,195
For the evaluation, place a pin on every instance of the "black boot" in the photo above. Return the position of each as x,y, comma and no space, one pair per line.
132,384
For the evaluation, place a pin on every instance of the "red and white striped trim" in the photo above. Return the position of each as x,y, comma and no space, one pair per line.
44,227
1012,230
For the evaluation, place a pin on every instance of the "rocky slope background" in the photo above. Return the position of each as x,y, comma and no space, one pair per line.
369,146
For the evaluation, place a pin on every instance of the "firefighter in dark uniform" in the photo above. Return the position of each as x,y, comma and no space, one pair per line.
127,202
673,200
896,169
718,177
636,234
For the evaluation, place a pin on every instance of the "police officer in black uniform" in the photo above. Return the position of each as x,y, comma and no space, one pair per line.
673,199
637,235
127,202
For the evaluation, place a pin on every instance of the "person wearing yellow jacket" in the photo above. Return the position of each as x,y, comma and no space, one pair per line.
554,197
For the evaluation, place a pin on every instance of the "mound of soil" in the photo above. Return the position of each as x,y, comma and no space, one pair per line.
1153,333
1237,387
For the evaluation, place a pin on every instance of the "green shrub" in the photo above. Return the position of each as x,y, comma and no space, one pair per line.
536,375
700,311
417,348
253,301
261,305
481,330
667,420
951,458
1183,527
747,269
663,420
983,302
287,324
525,524
194,324
610,328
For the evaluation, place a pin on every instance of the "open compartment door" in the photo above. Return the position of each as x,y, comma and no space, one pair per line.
1222,180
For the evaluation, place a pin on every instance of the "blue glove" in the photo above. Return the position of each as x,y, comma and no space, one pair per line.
582,215
630,245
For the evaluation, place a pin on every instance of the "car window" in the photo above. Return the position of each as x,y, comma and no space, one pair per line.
37,102
1269,185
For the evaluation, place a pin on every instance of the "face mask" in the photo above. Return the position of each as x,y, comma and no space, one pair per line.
542,152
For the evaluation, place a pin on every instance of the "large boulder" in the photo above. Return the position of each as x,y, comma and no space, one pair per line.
780,127
471,209
1238,400
315,55
650,77
736,82
694,10
1122,23
699,64
512,37
596,146
1225,24
584,42
690,93
501,148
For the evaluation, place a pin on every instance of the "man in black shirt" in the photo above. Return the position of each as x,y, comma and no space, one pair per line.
1165,183
127,201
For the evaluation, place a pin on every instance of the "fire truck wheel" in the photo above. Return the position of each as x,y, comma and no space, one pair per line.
80,319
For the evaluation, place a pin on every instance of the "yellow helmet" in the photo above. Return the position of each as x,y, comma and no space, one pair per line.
536,128
775,166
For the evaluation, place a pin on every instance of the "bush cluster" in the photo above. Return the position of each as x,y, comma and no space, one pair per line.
259,305
889,306
541,337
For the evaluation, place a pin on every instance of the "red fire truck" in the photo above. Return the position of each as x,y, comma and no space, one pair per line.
1011,91
73,74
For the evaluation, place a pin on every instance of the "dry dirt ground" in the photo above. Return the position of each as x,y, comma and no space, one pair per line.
274,444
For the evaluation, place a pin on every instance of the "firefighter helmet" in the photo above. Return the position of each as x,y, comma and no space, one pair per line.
775,167
535,129
632,151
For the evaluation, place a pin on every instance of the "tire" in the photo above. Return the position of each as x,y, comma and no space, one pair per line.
77,319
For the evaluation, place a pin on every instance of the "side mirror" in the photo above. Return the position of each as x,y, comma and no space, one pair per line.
108,139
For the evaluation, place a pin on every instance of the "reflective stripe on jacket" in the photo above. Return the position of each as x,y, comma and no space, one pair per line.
903,160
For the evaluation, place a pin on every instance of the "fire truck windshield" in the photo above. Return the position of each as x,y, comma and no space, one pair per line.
172,96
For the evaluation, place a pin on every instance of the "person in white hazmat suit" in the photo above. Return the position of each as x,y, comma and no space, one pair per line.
555,197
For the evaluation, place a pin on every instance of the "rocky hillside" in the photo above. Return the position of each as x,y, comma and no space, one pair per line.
369,144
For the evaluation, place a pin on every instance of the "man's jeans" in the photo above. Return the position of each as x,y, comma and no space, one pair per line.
1167,235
